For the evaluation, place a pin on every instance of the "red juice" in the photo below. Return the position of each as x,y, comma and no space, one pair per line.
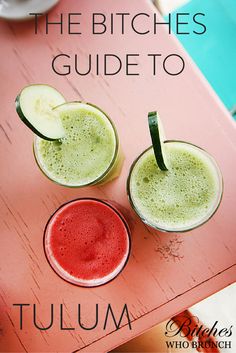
87,242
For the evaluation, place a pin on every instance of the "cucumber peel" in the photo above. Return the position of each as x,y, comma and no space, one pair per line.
34,105
157,137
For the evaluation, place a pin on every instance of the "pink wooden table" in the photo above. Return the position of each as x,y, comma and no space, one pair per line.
166,273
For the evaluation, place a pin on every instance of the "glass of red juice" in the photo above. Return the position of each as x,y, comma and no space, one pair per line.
87,242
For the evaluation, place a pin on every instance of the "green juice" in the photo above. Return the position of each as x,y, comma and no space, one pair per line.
87,153
181,198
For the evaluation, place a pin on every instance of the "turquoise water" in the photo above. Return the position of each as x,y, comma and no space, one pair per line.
215,51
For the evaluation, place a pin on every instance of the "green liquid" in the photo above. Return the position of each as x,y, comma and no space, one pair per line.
183,196
85,153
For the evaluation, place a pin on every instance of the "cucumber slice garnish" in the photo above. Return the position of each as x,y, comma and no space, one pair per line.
34,106
157,136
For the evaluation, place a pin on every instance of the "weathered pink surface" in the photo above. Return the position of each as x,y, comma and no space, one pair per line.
166,273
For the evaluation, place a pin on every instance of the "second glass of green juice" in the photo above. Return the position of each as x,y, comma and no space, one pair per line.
89,153
178,199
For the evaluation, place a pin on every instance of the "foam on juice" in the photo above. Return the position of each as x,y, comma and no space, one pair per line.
180,197
86,151
87,242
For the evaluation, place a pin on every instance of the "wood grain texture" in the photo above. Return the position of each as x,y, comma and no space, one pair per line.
166,272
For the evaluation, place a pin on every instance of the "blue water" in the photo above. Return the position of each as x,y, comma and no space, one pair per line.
215,51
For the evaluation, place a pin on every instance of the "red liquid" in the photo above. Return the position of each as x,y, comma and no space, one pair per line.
87,242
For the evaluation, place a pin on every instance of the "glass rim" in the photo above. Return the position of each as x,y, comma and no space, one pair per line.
184,229
109,167
126,257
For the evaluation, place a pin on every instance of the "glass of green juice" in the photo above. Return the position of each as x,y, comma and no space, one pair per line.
89,153
181,198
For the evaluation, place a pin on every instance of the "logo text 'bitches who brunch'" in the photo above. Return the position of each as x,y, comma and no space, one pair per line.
197,335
